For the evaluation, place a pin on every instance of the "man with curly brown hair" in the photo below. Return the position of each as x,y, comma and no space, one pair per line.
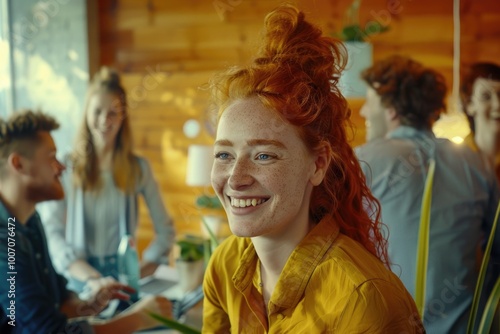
33,297
480,100
408,98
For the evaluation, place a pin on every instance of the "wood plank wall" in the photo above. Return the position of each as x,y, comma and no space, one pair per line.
168,49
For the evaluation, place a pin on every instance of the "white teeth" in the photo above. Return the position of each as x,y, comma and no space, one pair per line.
243,203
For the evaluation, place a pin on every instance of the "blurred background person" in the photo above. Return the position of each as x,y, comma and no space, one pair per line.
37,300
373,112
465,194
480,97
102,183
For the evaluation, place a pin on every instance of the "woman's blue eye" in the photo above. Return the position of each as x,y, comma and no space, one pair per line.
263,156
222,156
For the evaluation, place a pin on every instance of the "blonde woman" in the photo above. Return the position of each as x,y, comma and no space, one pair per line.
102,183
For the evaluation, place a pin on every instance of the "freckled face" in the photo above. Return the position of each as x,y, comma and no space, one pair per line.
262,171
485,106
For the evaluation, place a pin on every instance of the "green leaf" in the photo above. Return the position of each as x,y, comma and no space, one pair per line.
482,274
192,248
490,309
352,33
209,202
423,241
174,324
212,243
213,238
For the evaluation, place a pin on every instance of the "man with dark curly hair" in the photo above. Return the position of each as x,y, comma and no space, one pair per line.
33,297
407,98
480,98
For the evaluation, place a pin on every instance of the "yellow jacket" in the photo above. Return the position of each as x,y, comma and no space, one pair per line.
330,284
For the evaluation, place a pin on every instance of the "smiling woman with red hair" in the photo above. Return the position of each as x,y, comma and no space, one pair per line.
305,255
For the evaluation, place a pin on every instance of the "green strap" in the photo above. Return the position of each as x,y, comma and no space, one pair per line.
423,241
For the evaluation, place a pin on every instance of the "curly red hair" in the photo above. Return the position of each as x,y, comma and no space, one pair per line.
296,74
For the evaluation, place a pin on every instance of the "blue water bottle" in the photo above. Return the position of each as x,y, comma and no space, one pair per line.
128,265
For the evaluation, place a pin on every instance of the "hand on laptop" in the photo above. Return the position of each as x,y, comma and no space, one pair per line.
94,285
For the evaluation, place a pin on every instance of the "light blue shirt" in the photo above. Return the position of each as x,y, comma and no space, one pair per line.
65,224
464,200
102,225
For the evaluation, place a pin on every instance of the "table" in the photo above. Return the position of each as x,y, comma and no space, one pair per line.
165,282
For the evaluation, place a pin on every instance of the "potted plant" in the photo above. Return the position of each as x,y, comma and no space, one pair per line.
191,262
359,50
212,217
190,266
352,31
191,248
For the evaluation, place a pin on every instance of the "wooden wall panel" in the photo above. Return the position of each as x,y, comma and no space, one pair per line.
167,51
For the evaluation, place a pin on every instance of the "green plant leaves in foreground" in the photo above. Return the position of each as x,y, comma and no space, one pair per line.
482,275
490,309
174,324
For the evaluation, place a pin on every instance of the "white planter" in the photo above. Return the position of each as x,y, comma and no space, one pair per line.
190,274
360,57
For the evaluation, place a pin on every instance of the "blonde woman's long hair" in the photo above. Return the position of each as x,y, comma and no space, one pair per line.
125,167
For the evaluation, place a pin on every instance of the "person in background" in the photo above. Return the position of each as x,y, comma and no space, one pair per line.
480,98
409,98
33,297
304,256
375,122
102,184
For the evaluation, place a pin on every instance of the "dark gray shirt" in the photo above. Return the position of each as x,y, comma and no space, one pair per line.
31,292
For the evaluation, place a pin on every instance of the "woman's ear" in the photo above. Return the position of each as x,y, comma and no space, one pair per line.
322,159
